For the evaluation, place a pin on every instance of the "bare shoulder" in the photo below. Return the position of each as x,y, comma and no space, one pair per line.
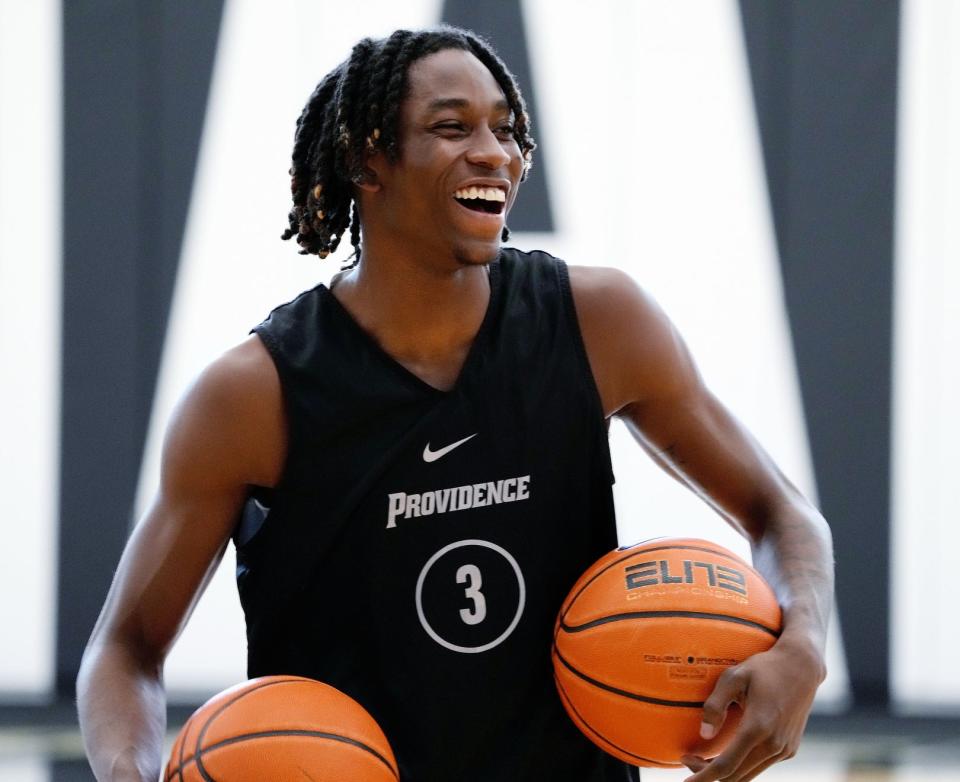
635,351
604,293
230,424
245,375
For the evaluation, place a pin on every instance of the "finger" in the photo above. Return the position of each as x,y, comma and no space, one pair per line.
694,762
758,759
731,688
763,767
729,761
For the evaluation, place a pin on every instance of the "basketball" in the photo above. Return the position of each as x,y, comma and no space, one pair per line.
643,637
282,728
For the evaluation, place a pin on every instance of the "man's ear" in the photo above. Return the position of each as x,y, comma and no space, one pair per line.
368,179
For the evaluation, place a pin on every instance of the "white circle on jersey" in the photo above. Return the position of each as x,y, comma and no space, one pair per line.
471,587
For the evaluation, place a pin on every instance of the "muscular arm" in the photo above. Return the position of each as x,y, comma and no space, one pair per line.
646,377
227,434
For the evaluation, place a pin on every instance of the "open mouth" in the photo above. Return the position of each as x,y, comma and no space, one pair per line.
489,200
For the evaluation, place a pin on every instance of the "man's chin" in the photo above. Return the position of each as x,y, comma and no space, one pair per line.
477,255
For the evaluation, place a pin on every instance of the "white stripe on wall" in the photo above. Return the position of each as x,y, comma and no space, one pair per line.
30,231
926,408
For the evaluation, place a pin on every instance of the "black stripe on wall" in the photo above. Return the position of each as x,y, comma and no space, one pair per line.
135,80
825,83
501,23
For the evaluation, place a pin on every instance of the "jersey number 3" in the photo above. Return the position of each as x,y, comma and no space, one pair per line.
470,575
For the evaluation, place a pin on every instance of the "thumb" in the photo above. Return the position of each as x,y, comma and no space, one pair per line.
731,688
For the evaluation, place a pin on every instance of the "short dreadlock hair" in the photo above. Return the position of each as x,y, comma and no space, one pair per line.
356,108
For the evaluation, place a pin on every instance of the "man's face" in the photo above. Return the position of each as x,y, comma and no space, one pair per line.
455,133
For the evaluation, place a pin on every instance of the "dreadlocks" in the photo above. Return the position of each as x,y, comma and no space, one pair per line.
355,109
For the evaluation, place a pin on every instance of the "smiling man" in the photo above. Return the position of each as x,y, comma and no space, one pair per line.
413,462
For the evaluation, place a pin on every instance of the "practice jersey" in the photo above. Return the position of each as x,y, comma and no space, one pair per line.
420,542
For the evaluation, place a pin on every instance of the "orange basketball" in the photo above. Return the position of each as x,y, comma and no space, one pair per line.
643,637
281,728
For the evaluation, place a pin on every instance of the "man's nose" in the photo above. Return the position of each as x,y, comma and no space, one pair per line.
487,150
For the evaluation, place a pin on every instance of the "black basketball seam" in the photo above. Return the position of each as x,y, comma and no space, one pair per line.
657,614
308,733
177,769
618,691
198,751
726,555
183,745
568,702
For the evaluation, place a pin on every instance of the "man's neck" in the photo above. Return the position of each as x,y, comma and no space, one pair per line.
424,317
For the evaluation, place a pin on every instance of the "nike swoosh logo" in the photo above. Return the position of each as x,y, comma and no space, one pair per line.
432,456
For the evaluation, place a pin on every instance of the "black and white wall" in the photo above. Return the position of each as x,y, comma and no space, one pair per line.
782,176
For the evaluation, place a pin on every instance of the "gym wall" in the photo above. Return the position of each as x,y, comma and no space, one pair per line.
780,176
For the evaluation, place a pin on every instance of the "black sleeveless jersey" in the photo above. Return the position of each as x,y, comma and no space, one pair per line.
420,542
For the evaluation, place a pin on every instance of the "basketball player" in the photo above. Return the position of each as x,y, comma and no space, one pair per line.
413,463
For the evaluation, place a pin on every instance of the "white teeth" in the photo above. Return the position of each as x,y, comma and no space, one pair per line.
486,193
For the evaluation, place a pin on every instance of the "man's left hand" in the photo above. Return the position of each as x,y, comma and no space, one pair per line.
775,690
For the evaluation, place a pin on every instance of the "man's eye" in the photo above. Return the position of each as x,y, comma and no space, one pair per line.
450,126
507,130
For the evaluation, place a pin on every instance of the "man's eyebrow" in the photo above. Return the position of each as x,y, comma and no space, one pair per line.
439,104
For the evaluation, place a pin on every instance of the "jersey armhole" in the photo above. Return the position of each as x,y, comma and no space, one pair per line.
586,372
272,347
